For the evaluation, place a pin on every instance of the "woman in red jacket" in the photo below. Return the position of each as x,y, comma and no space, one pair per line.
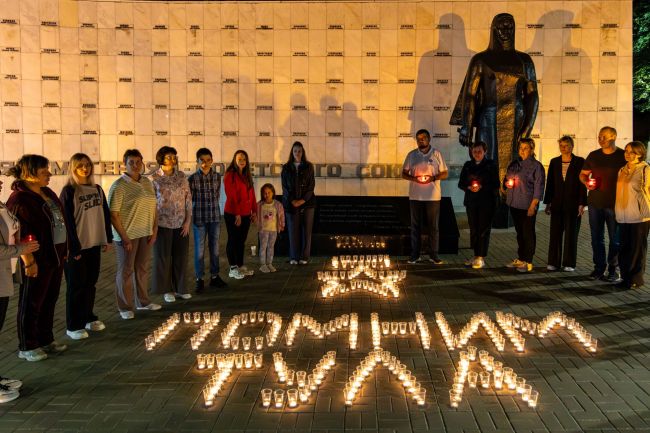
239,212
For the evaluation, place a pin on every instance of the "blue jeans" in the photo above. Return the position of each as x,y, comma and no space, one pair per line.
212,231
598,219
299,227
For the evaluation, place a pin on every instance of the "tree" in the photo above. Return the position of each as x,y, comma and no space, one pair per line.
641,49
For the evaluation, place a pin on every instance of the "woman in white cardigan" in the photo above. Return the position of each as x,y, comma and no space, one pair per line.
632,211
10,249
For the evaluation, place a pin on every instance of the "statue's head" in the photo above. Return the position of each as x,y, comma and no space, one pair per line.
502,35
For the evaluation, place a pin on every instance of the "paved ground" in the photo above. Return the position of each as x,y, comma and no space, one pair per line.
110,383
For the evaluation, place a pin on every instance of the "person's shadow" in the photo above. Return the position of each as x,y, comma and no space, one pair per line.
295,128
566,82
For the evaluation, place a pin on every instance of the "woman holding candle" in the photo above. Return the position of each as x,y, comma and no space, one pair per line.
632,211
174,210
89,233
565,199
10,249
239,211
41,219
479,178
299,202
524,183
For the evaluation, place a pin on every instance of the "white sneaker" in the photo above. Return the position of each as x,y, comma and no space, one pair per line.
169,297
303,262
568,269
265,269
235,273
32,355
150,307
551,268
185,296
515,263
293,262
525,267
79,334
244,270
10,383
271,267
7,394
126,315
97,325
478,263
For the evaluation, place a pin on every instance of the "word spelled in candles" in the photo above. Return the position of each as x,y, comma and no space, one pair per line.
210,322
230,341
478,319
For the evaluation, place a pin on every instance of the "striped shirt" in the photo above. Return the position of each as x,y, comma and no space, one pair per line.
205,196
136,203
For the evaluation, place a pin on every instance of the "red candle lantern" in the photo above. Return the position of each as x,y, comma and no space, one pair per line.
30,238
510,183
423,178
475,183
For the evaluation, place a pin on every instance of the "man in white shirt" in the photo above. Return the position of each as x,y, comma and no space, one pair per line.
424,168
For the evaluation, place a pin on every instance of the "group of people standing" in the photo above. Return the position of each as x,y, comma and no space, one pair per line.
612,183
44,236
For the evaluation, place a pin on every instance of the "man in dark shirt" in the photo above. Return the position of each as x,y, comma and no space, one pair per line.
599,174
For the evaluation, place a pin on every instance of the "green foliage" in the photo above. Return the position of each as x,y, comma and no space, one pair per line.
641,78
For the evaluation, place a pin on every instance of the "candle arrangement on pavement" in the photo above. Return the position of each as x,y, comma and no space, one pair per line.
493,374
369,273
160,333
368,364
210,321
230,341
454,341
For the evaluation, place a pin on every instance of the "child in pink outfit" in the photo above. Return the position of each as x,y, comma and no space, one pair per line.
270,222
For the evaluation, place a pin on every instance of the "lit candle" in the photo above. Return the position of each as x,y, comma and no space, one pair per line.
510,183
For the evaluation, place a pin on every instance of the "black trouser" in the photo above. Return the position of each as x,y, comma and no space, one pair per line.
634,248
81,277
236,238
169,261
424,217
299,226
4,304
564,223
526,238
479,219
36,304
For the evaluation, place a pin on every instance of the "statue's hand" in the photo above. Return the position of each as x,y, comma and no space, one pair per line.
463,136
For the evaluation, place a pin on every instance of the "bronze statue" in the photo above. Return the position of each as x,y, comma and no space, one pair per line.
498,101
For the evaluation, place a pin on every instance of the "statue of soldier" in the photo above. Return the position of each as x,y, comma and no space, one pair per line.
498,101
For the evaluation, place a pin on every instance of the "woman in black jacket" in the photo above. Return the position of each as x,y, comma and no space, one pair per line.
299,202
479,179
42,219
565,199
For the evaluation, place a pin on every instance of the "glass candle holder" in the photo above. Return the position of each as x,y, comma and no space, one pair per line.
472,378
243,318
234,343
420,396
258,359
260,316
239,361
200,361
259,343
196,316
528,389
187,318
292,397
290,377
532,399
301,377
304,393
252,316
521,385
278,398
248,360
454,398
402,328
210,360
412,327
208,398
246,343
394,327
485,379
266,397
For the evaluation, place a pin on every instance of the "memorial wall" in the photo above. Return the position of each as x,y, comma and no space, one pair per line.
352,80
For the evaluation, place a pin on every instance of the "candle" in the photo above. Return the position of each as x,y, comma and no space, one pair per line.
475,184
510,183
266,397
592,182
292,397
278,398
